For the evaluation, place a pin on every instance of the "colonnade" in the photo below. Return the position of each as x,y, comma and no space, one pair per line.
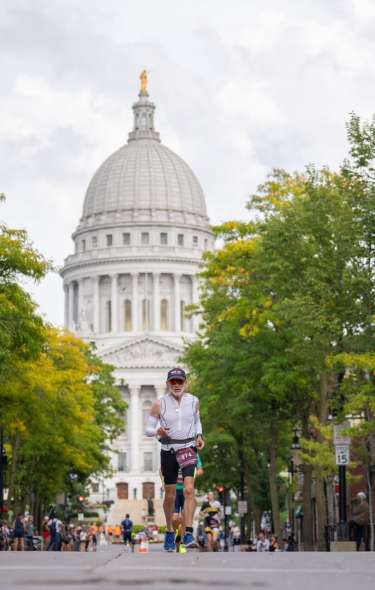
74,304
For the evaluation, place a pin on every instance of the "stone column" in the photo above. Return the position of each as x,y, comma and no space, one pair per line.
135,437
177,303
135,314
114,304
71,306
96,305
66,305
156,300
195,318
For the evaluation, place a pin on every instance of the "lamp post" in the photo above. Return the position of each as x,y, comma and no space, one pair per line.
295,447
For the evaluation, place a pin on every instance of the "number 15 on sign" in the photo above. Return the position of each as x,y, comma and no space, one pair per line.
342,455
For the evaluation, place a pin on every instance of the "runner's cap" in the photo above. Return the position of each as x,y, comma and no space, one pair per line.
176,373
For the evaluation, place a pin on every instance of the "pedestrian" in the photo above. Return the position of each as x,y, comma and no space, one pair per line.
55,527
45,533
18,532
361,519
29,533
4,537
274,545
175,419
127,529
263,543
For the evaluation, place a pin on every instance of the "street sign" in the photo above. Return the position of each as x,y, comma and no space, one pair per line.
342,455
242,507
338,437
228,510
81,516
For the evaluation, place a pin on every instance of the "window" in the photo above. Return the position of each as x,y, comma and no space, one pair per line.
180,239
94,241
126,239
108,316
95,488
134,493
195,241
122,462
164,239
182,316
127,315
109,239
146,314
145,413
164,315
206,244
145,238
83,245
147,462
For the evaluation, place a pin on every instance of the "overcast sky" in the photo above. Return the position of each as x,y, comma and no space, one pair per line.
240,86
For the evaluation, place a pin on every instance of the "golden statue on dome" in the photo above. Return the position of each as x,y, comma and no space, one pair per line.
144,80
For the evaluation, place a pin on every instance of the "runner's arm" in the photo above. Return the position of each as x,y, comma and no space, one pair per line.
153,419
198,428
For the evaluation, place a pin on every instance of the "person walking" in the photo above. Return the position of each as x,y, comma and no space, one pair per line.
19,532
175,420
127,529
361,518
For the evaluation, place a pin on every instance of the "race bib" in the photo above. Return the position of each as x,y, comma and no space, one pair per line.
186,457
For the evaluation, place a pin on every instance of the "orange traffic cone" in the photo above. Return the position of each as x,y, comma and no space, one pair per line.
143,547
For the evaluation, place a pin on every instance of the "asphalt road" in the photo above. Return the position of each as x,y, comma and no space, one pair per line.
113,569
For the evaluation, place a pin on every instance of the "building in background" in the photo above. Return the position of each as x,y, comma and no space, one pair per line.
138,249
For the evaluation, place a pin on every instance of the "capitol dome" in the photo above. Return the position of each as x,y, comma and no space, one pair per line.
144,180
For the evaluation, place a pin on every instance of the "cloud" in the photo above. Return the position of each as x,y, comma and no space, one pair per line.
240,87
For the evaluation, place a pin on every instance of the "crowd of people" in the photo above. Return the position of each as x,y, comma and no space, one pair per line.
55,535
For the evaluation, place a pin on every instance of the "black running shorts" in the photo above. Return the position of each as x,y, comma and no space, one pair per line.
169,467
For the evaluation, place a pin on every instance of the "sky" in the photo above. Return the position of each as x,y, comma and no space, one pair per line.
240,87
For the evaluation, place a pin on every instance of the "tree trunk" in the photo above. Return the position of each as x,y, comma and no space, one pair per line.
327,383
274,493
321,514
13,470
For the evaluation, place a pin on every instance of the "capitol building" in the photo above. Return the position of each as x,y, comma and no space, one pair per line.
137,252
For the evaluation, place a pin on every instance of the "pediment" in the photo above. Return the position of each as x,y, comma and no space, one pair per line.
143,353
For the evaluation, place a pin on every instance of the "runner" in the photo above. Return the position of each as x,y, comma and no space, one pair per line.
175,420
211,511
177,517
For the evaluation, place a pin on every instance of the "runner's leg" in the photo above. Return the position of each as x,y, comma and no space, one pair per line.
168,504
189,504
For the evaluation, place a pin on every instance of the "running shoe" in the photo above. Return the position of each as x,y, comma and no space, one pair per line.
169,541
189,541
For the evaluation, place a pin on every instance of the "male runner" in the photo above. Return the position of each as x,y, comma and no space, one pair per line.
175,420
211,511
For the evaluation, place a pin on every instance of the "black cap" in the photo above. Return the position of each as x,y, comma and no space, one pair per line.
176,373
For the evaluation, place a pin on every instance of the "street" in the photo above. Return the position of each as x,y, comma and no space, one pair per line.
157,570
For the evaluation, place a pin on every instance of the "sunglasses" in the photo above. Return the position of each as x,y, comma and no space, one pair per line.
176,381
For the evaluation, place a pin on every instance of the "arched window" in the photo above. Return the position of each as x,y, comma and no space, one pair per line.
127,315
183,317
164,315
108,316
146,314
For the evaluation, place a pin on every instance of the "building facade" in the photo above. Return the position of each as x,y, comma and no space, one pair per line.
137,251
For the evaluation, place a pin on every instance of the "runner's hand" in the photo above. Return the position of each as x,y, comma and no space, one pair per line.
200,443
162,432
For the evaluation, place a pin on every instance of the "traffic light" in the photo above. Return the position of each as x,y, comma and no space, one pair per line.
81,500
221,490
